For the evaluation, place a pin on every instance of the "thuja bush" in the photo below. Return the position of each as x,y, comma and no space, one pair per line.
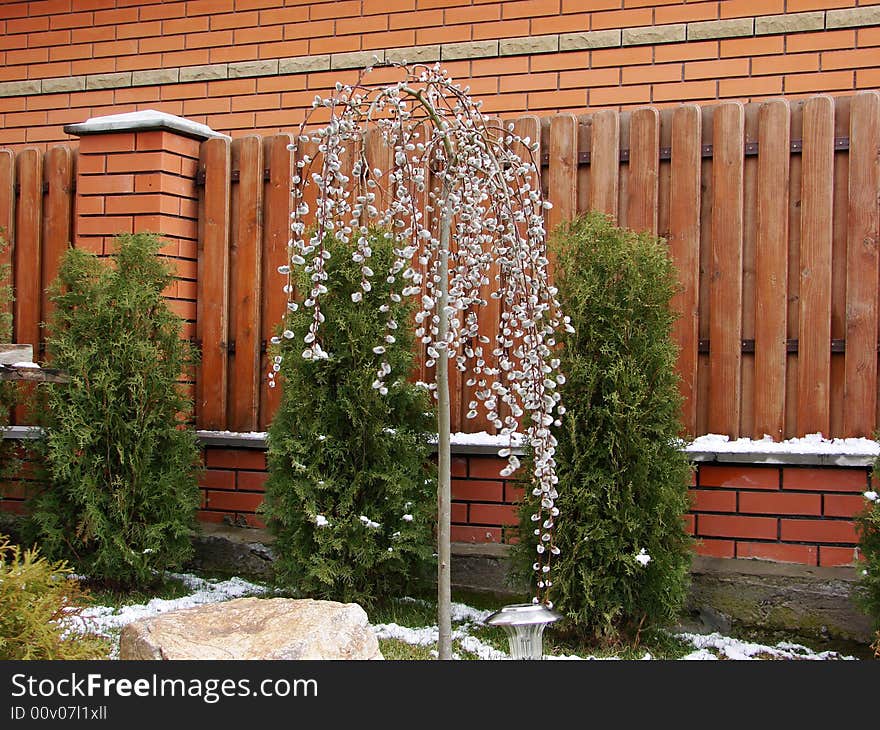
120,489
40,606
868,527
8,393
350,490
623,481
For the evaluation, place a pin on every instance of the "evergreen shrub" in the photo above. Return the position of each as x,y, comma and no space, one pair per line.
623,480
8,392
350,494
120,490
868,588
40,604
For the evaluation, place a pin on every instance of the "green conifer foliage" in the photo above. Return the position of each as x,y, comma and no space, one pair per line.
121,484
868,590
350,489
40,604
622,479
8,393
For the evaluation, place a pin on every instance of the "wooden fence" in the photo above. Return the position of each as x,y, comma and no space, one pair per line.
770,211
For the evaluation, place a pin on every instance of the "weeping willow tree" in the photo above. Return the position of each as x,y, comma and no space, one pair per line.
458,202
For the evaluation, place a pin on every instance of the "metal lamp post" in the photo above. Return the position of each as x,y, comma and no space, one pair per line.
524,624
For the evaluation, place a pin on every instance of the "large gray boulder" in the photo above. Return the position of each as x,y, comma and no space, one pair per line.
254,628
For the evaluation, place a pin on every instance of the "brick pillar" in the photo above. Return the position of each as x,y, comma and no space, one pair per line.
137,173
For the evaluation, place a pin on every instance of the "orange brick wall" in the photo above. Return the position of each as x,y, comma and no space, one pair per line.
792,514
787,514
483,503
232,486
60,38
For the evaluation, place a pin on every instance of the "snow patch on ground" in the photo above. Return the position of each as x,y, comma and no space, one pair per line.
428,636
424,636
480,649
462,613
107,621
700,655
729,648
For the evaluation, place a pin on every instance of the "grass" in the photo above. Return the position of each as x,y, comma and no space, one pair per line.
166,587
392,649
421,611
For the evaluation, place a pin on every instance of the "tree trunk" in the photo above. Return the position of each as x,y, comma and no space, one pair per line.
444,456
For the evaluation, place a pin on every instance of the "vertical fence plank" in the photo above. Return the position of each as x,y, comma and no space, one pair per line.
863,222
749,256
244,369
605,162
212,285
664,174
420,370
7,226
27,255
276,233
308,148
489,319
529,126
58,228
212,322
684,245
839,224
379,156
584,140
623,170
725,284
707,129
562,173
814,337
792,327
771,269
28,245
644,169
7,218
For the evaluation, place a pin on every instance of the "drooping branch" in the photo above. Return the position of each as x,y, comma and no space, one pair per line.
450,172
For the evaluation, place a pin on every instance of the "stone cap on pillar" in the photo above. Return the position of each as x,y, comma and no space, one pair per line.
146,120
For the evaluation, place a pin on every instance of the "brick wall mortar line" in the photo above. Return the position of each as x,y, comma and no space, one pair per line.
695,31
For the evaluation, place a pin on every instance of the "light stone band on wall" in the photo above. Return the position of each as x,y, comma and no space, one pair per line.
589,40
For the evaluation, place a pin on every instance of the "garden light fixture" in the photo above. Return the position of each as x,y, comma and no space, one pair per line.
524,624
